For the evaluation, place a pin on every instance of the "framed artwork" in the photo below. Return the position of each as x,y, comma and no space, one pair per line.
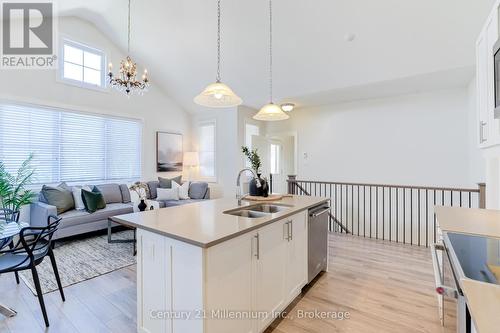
168,151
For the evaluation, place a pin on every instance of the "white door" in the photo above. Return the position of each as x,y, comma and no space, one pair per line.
270,277
296,267
261,143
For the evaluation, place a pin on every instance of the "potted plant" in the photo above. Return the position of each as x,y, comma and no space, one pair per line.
254,158
13,188
142,190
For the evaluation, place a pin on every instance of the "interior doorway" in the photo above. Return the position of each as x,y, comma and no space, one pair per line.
278,157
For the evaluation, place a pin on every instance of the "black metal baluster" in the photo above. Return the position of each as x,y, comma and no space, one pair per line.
397,214
352,209
370,212
342,205
383,213
470,199
434,210
404,215
376,212
419,230
411,216
390,214
426,218
364,211
460,198
358,210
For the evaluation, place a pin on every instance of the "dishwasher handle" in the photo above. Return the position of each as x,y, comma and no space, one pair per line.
318,213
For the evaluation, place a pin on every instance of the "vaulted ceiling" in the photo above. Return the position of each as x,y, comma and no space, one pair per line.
394,40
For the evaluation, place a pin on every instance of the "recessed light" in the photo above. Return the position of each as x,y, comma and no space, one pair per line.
287,107
350,37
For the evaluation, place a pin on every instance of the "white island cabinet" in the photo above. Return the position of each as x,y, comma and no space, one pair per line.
203,270
239,285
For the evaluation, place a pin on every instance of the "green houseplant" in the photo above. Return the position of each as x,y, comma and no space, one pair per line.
13,188
253,157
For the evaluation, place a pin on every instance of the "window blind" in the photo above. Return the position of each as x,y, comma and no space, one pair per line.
69,146
206,137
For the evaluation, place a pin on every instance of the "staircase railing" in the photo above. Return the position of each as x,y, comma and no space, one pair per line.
399,213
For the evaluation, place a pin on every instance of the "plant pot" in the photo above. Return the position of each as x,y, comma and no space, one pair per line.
254,190
142,205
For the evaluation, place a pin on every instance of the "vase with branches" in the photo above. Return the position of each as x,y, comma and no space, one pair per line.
253,157
14,192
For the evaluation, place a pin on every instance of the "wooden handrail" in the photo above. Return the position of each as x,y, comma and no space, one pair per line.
430,188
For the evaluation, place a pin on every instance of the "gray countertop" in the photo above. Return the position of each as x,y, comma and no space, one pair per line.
205,224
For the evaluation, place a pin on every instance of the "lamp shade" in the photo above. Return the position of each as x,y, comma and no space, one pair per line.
191,158
271,112
218,95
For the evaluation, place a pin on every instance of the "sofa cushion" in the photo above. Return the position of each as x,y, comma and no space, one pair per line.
153,186
168,194
60,197
93,200
110,192
198,190
167,182
75,217
63,185
125,193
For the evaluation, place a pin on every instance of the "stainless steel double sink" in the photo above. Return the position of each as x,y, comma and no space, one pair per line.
256,211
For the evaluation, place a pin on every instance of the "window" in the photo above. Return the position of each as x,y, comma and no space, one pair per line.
250,130
275,158
82,65
70,146
206,150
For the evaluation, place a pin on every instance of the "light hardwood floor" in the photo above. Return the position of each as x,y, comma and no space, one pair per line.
385,287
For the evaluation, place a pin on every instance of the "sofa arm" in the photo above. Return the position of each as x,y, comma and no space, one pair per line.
40,212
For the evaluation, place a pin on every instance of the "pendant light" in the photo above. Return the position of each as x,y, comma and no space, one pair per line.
271,111
218,94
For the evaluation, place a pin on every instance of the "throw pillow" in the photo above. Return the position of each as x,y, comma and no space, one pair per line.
93,200
168,194
60,197
77,196
198,190
167,182
183,190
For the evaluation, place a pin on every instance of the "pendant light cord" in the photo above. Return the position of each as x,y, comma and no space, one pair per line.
128,41
270,51
218,41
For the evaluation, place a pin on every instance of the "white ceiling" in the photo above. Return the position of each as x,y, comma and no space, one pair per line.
395,39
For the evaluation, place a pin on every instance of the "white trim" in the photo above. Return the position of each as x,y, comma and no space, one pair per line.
85,48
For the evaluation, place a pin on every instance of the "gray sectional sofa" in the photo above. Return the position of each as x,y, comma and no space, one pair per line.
118,201
75,222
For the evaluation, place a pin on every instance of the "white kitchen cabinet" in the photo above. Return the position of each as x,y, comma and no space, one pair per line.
488,126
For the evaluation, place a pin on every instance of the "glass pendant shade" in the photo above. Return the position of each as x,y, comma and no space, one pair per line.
217,95
271,112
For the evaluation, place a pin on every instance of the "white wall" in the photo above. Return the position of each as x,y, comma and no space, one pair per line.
157,110
421,139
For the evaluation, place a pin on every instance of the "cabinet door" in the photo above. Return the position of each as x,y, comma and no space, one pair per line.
270,277
492,36
229,284
296,264
152,268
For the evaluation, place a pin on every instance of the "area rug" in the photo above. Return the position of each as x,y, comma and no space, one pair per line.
83,259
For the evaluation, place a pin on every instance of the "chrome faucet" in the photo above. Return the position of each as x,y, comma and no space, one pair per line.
239,195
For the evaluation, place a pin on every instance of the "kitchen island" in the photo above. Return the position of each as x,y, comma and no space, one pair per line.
214,266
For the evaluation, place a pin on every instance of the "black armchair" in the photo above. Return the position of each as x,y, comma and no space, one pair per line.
33,246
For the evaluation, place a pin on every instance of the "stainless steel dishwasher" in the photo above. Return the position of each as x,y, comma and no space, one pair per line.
317,240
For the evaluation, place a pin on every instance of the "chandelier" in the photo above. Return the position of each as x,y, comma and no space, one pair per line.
127,79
